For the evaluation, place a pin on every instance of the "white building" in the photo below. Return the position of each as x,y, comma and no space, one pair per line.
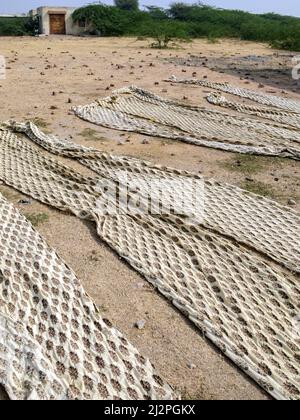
57,21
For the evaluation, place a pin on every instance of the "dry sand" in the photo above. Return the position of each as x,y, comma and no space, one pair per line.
45,76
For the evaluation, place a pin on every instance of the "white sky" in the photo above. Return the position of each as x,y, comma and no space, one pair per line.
287,7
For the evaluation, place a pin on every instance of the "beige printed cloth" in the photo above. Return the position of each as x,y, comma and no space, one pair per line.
53,342
231,265
272,101
134,109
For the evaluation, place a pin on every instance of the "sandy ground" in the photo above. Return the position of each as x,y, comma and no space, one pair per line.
272,69
45,77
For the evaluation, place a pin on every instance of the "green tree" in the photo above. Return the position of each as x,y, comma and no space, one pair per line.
180,11
165,32
103,20
130,5
179,22
157,12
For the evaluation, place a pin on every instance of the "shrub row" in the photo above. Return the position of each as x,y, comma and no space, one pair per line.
192,21
180,21
17,26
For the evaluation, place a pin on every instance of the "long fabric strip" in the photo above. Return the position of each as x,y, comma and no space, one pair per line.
235,273
136,110
274,101
53,342
288,118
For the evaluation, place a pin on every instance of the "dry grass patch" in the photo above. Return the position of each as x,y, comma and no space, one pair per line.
92,135
42,124
250,164
36,219
259,188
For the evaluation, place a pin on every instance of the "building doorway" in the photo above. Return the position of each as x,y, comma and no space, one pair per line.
57,24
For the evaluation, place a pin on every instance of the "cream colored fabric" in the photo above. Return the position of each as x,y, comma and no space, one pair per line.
235,273
273,101
134,109
53,342
287,118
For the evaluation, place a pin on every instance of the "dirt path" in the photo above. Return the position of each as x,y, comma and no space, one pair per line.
45,76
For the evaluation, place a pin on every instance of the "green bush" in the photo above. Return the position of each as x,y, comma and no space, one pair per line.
279,31
129,5
18,26
12,26
32,25
106,20
164,32
290,44
157,13
112,21
182,21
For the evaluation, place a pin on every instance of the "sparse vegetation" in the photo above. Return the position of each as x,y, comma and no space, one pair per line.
41,123
181,21
184,21
250,164
37,219
279,31
92,135
259,188
165,32
212,39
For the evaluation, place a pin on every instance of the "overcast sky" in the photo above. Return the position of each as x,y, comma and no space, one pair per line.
287,7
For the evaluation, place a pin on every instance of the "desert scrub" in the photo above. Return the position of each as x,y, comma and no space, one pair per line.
212,40
166,33
37,219
250,164
42,124
259,188
91,135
